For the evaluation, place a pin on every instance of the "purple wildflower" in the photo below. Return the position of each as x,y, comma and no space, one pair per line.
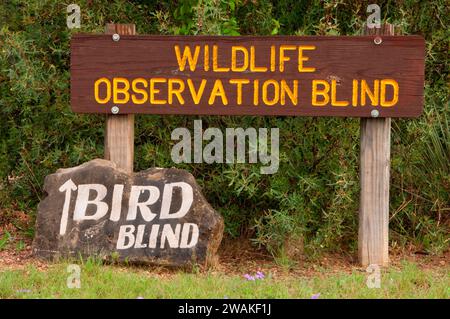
315,296
249,277
259,275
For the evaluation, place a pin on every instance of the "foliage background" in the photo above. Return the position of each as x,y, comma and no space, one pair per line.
311,205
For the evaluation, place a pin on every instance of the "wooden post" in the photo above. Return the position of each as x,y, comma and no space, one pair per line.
373,241
119,132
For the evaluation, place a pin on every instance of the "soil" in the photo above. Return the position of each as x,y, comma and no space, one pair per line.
237,257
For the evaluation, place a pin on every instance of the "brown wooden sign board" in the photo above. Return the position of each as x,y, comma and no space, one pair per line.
346,76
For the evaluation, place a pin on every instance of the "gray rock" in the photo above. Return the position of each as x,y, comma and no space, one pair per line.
157,216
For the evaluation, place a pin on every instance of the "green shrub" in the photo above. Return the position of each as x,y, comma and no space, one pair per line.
314,196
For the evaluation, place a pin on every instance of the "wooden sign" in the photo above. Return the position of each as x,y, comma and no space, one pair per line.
217,75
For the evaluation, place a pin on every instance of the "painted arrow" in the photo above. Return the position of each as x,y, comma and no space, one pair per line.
67,187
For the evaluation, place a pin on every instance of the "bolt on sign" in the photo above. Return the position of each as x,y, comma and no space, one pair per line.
216,75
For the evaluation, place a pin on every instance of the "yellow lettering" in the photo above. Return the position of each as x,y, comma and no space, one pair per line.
239,83
284,58
394,85
196,96
234,67
206,64
253,67
334,102
123,91
137,90
355,93
302,58
293,94
187,55
256,92
316,92
154,91
108,91
276,95
216,67
218,91
373,96
177,92
272,58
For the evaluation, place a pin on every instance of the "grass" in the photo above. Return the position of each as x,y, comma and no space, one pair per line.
101,281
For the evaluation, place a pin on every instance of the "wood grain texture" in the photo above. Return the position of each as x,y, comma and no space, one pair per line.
343,58
119,131
373,236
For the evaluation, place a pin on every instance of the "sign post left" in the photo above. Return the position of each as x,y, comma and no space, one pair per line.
119,132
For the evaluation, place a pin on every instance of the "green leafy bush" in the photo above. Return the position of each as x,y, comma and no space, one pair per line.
313,197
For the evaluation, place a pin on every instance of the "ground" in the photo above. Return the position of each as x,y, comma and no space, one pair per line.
410,275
